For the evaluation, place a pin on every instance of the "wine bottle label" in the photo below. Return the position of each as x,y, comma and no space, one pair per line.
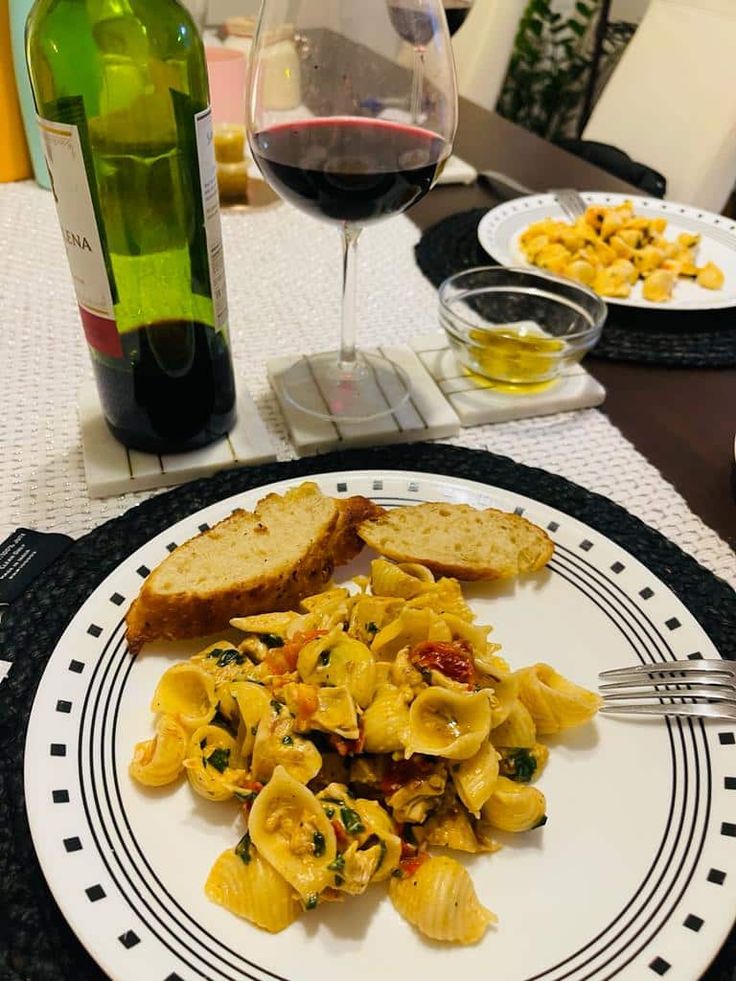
211,210
69,185
79,227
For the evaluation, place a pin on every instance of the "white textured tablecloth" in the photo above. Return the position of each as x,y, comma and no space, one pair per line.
283,283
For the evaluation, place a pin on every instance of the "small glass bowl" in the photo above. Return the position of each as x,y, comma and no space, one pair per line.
517,326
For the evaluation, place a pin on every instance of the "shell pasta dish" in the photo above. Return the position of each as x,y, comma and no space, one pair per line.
365,737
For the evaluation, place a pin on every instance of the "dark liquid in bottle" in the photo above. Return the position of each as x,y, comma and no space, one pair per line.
174,390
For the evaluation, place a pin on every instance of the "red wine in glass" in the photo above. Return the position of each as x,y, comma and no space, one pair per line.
350,169
456,12
413,25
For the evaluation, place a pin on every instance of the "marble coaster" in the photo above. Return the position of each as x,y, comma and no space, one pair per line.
481,401
111,469
427,414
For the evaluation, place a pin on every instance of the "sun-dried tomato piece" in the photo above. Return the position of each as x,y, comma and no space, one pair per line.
409,866
401,772
452,658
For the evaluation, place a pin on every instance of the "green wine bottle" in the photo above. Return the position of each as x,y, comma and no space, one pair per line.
123,104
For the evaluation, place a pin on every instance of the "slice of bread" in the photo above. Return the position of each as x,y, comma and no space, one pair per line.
252,562
458,540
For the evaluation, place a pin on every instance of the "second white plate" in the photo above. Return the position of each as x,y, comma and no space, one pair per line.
500,229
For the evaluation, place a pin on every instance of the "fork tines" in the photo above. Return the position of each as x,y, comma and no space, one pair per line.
571,202
705,688
700,666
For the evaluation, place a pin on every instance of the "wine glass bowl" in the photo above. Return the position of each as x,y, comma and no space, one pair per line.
351,153
456,12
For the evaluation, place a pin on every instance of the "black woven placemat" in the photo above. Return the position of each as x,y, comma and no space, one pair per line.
706,339
35,942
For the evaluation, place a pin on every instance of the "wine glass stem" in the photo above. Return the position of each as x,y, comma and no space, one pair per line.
417,85
350,235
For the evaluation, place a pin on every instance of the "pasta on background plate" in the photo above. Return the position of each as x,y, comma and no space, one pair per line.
359,735
610,248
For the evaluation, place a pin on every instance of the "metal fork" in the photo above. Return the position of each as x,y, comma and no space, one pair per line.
701,688
571,202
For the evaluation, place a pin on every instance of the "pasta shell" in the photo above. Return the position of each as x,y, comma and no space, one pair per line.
448,723
248,886
506,693
227,707
475,636
515,806
388,579
445,596
450,829
223,661
187,692
386,721
326,599
408,629
375,850
253,702
335,713
417,570
370,614
518,730
554,702
276,744
475,778
491,664
440,901
289,828
338,659
419,797
710,276
274,624
209,763
404,673
379,824
160,760
331,608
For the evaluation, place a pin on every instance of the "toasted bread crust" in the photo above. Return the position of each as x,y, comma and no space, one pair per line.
160,612
459,541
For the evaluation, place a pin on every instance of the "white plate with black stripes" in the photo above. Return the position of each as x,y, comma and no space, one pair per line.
634,875
500,229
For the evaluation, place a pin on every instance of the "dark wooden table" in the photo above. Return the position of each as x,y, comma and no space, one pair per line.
682,420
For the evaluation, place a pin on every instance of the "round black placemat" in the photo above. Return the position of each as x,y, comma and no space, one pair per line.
706,339
35,942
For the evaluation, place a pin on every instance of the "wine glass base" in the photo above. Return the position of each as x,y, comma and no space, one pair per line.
322,387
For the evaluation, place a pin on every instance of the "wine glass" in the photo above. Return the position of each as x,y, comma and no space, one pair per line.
414,22
350,154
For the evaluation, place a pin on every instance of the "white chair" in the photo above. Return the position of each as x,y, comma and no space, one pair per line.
483,47
671,100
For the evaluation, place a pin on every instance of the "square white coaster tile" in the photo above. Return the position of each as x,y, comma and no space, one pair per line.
479,402
427,414
111,469
457,171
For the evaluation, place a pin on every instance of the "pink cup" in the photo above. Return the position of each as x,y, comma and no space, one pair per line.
226,70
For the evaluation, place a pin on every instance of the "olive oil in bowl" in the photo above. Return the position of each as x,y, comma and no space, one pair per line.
518,328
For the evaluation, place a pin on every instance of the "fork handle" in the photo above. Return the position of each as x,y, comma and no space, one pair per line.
691,710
